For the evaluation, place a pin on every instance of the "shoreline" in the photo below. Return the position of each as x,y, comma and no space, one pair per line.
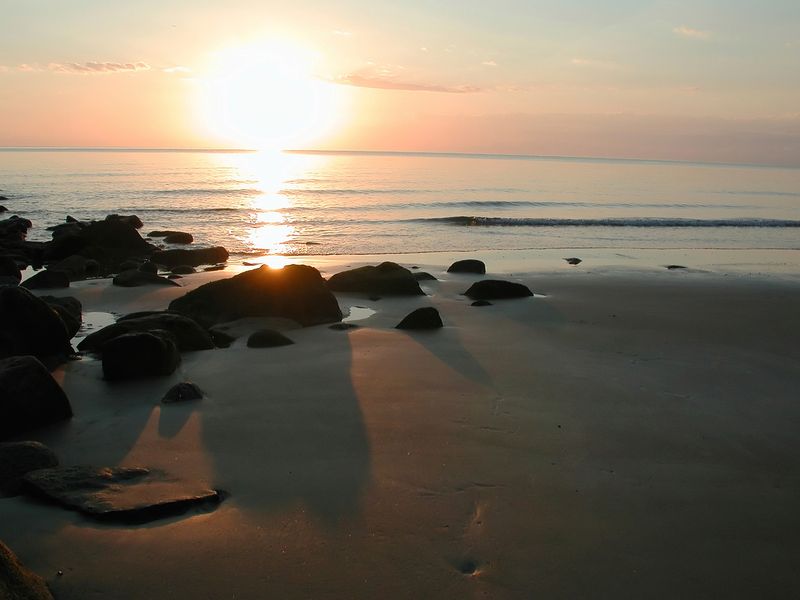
631,432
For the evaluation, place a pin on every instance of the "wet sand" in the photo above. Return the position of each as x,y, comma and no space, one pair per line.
627,433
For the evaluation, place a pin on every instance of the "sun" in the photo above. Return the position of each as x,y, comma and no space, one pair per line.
265,96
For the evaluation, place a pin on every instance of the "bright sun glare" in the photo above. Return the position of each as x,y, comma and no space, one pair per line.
265,96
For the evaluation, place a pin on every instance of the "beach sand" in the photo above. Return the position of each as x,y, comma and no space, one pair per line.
623,434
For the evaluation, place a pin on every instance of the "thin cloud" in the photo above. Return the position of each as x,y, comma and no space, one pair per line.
382,83
489,63
86,68
342,33
689,32
177,69
595,64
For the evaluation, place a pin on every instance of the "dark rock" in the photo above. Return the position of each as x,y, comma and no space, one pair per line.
141,354
215,268
495,289
387,278
8,280
129,220
70,219
221,339
128,265
29,326
267,338
69,309
163,233
182,391
77,267
187,333
14,228
10,268
117,234
17,582
183,270
46,280
573,260
469,265
64,246
126,494
18,458
423,276
149,266
296,292
342,326
179,237
194,257
173,276
422,318
481,303
29,396
136,278
673,267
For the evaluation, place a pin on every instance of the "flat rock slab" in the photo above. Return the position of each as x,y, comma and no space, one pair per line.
127,494
17,582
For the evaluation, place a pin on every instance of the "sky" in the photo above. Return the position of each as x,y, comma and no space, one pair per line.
704,80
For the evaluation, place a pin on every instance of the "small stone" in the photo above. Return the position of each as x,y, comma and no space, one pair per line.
573,260
179,392
268,338
469,265
481,303
422,318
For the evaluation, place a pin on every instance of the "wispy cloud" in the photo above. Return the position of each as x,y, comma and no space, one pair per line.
383,83
689,32
489,63
594,64
176,69
342,33
86,68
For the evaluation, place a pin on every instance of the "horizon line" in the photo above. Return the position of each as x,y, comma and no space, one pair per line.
399,153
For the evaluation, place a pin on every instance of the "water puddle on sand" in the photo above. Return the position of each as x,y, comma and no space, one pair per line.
358,313
94,320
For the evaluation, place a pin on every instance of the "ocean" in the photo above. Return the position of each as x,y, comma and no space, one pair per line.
258,204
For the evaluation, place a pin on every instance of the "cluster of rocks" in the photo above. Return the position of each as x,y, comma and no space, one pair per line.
85,249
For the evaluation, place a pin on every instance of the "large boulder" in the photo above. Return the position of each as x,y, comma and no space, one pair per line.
387,278
10,268
137,278
469,265
47,280
77,267
296,292
69,309
179,237
141,354
193,258
126,494
17,582
29,326
422,318
187,333
118,233
495,289
29,396
14,228
19,458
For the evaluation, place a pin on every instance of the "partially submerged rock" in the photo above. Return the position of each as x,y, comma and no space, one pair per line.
136,278
127,494
29,326
424,276
194,257
19,458
17,582
387,278
469,265
188,334
296,292
573,260
47,279
29,396
179,237
183,270
141,354
481,303
495,289
182,391
267,338
422,318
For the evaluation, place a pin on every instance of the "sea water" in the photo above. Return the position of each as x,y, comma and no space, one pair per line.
258,204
